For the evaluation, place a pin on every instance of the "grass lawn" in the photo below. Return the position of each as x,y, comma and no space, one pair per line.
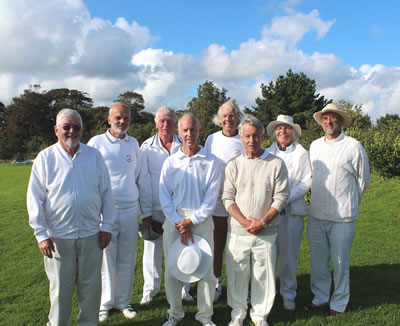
375,267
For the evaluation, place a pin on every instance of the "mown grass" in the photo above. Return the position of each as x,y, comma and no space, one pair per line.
375,267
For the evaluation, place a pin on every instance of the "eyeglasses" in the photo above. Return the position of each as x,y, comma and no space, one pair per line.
75,127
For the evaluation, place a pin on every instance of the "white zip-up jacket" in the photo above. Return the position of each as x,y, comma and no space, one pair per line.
299,171
69,198
153,155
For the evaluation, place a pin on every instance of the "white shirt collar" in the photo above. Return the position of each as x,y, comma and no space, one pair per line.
113,139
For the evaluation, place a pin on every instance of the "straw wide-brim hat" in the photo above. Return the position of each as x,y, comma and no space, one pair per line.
283,119
192,262
332,107
153,232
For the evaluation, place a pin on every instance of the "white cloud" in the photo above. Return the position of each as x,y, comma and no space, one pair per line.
58,44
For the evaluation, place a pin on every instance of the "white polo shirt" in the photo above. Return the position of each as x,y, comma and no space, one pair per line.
189,183
69,197
122,157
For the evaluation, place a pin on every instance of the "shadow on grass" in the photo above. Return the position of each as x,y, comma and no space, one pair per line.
370,286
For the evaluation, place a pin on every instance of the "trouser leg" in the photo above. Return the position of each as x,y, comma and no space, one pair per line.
152,266
220,231
341,239
238,273
290,232
89,280
319,260
263,289
108,273
126,256
173,287
61,272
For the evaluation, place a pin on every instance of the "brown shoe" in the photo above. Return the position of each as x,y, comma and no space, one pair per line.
333,313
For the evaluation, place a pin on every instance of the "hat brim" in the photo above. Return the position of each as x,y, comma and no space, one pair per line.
205,263
272,125
152,233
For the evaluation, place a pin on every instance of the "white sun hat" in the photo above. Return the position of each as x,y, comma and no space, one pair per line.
332,107
283,120
189,263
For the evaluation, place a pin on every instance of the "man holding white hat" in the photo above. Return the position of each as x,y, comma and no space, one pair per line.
189,187
340,177
255,191
291,220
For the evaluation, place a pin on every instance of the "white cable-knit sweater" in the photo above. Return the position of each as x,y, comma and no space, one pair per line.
340,176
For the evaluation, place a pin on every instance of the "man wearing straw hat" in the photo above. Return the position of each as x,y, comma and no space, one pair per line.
340,177
189,187
291,221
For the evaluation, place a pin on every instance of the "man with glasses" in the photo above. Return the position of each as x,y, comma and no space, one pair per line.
122,156
340,176
70,208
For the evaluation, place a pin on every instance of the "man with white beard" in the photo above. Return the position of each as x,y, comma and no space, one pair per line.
122,156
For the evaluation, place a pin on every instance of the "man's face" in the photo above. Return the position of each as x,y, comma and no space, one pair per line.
69,132
165,124
120,119
189,132
251,138
229,120
332,124
284,134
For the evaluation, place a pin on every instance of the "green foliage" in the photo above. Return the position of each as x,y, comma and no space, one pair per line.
293,94
389,122
142,131
136,102
205,105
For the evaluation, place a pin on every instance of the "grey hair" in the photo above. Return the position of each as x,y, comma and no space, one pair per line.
253,121
118,103
68,113
189,114
165,110
231,104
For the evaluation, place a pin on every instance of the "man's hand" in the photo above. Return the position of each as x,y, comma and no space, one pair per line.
46,247
255,225
185,237
183,226
104,239
147,221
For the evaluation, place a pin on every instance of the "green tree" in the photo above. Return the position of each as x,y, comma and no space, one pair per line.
293,94
359,120
2,108
388,121
136,102
205,105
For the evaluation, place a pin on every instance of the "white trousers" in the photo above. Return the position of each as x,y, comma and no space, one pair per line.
119,260
152,261
290,231
75,262
330,240
251,258
205,287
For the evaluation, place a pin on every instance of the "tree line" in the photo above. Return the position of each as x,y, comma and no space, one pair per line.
26,125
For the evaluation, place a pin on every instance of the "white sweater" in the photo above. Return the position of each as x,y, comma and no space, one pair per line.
340,176
298,164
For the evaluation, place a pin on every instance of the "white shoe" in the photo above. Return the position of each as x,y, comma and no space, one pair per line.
217,294
289,304
103,315
128,312
146,300
260,323
210,323
187,297
172,321
236,322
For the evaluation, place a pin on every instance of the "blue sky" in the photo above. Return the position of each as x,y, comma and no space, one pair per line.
165,49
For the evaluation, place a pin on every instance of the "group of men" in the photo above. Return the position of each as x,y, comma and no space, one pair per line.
84,202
